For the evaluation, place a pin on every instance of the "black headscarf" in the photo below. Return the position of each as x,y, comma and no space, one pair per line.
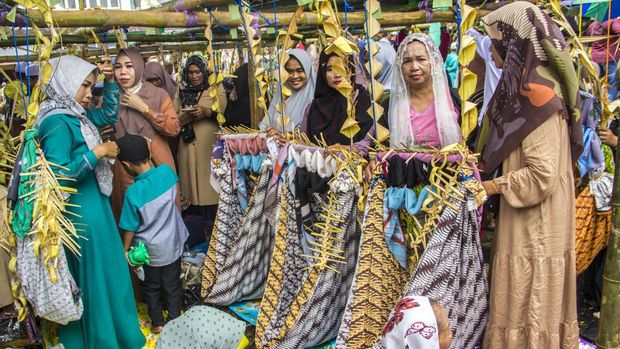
238,111
190,95
328,111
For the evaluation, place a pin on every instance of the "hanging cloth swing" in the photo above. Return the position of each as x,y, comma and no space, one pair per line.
240,248
313,263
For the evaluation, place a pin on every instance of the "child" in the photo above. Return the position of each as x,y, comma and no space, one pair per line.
417,322
150,216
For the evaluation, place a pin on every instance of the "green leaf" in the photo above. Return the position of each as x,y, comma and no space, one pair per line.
3,34
270,30
303,2
11,15
54,2
233,33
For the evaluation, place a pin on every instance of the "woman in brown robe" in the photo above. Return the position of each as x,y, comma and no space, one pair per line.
532,129
145,110
193,103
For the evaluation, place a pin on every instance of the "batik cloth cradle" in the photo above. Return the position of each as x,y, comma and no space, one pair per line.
306,292
240,248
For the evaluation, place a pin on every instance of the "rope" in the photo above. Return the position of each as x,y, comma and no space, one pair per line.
347,7
608,41
372,88
279,108
27,58
21,83
253,9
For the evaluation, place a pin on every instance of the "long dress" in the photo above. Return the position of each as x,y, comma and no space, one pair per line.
110,318
195,157
533,280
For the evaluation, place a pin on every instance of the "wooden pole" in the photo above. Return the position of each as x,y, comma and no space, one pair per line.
609,324
93,53
187,5
120,18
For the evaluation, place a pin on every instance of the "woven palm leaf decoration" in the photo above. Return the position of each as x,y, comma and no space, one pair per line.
216,77
285,42
48,222
467,87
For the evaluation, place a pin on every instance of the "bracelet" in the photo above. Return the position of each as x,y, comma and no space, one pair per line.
495,187
147,111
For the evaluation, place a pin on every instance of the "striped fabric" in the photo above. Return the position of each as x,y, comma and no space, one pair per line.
451,272
304,299
240,248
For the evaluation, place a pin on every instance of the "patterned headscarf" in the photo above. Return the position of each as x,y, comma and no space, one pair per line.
538,80
68,74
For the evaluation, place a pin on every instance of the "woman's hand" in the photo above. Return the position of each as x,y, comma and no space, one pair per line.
490,188
107,69
607,137
106,150
133,101
198,112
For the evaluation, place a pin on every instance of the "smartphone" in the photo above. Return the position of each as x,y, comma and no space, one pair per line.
188,108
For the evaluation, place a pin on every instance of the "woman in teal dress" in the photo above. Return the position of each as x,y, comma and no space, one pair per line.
68,133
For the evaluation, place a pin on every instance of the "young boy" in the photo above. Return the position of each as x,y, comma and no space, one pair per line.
150,216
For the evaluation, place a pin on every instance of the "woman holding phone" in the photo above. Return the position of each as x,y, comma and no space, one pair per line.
198,135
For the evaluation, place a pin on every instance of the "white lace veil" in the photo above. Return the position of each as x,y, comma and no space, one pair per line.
401,134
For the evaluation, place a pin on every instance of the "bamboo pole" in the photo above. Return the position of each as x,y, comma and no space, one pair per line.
120,18
609,324
91,54
187,5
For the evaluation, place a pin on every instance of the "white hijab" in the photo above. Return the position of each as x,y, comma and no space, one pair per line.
401,134
412,324
68,74
298,102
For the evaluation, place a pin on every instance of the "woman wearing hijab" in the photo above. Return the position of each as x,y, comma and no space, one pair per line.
155,74
198,136
145,110
68,133
237,112
421,111
328,110
532,129
301,81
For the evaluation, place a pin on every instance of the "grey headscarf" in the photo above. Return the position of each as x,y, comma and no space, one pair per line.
68,74
387,57
298,102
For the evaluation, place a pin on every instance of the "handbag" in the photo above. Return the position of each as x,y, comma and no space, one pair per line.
58,301
187,133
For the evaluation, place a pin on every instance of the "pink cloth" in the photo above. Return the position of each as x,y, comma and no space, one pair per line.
424,126
599,48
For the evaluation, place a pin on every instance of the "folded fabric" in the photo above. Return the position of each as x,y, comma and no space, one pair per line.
410,173
601,187
313,160
202,327
405,198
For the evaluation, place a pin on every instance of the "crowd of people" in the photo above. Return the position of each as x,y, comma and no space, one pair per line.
137,146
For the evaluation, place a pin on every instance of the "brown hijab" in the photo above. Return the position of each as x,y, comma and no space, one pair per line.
154,70
131,120
538,80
